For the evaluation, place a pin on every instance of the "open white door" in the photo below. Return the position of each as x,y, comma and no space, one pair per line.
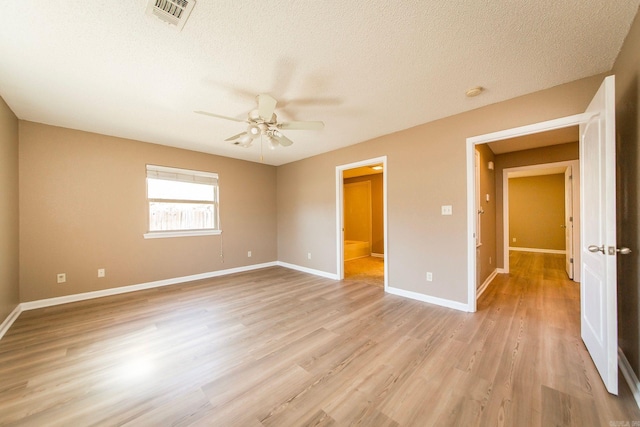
568,220
598,303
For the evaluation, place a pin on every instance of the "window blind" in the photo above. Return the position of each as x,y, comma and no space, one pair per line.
183,175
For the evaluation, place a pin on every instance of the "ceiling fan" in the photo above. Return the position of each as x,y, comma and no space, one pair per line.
263,122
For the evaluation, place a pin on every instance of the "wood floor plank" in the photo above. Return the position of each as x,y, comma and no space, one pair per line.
277,347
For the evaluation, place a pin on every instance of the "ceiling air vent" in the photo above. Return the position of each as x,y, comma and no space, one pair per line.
173,12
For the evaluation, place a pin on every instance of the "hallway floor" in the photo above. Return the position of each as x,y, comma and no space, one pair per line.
369,270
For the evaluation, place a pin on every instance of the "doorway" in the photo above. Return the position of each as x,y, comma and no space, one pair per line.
558,233
545,134
598,248
361,218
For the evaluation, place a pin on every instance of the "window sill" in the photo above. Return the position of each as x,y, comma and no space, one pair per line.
183,233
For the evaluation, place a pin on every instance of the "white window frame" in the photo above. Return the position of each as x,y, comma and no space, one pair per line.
183,175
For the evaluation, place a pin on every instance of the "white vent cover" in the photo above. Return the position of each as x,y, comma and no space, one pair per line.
173,12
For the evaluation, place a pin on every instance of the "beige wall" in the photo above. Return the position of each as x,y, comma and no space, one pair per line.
536,212
377,210
536,156
9,290
627,72
357,211
486,254
83,207
426,169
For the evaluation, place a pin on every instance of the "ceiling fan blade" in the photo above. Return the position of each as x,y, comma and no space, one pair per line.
266,106
220,117
301,125
282,140
235,136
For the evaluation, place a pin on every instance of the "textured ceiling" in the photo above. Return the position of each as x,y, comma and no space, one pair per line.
366,68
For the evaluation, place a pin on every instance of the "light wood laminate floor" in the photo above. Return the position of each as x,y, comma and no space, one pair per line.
277,347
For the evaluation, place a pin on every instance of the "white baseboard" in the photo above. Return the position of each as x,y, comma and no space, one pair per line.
542,251
377,255
320,273
629,375
6,324
485,284
427,298
48,302
500,270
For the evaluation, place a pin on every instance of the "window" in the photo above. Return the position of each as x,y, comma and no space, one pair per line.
181,202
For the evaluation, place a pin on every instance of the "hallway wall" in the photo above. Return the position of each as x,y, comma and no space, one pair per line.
536,212
377,210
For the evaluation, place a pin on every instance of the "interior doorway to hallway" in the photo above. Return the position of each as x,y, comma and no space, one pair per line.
598,245
545,151
541,224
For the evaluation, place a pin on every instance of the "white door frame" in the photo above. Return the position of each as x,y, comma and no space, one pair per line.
575,187
559,123
340,214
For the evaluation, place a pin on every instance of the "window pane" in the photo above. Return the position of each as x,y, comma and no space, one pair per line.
181,216
178,190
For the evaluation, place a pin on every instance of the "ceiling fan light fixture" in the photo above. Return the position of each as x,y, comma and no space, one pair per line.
245,140
273,143
253,131
263,122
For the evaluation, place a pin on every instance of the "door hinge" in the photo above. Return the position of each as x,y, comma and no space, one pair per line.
571,260
570,219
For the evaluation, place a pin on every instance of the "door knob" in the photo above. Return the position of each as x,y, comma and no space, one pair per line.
596,248
563,226
623,251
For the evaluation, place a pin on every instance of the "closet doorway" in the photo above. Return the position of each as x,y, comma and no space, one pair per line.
361,218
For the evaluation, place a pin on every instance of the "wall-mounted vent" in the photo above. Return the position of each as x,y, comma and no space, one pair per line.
173,12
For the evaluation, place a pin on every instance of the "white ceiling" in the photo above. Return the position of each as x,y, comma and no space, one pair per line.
365,67
537,172
536,140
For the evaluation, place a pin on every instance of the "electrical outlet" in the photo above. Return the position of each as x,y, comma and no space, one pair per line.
309,255
513,240
61,277
429,276
489,260
101,272
249,254
447,210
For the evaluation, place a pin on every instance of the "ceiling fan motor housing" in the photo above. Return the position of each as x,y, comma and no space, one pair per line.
254,116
